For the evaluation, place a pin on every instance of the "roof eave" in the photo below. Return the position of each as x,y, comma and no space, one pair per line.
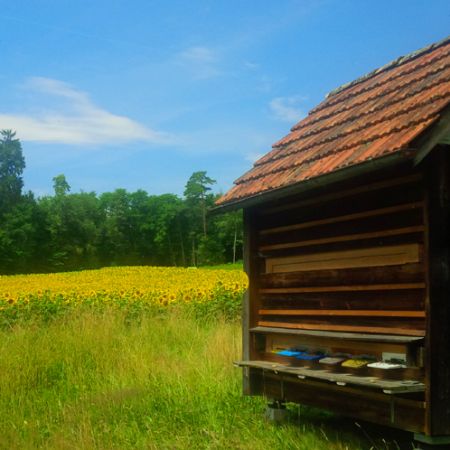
438,133
401,156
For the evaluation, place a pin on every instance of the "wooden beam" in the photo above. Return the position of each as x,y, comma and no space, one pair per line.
338,335
344,218
351,288
368,382
340,313
250,305
364,257
361,189
345,238
348,328
402,273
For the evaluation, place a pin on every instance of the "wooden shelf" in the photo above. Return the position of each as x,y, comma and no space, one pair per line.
363,337
350,328
340,313
341,379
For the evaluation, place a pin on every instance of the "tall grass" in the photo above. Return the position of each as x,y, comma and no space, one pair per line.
91,380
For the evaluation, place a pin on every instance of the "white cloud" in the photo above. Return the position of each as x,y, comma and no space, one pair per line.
75,119
287,108
201,62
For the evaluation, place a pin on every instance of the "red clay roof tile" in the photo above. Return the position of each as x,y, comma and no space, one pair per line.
376,115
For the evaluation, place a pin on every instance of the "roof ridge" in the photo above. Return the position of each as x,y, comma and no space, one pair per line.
280,144
330,103
390,65
350,131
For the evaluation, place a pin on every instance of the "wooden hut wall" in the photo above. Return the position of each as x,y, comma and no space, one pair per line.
352,261
343,271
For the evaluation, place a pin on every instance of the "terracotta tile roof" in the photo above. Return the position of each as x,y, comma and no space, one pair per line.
376,115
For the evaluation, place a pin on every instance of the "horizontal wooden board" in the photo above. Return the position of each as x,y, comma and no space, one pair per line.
336,312
367,287
354,401
388,386
367,226
367,257
388,241
345,238
413,272
355,190
343,218
338,335
347,328
377,301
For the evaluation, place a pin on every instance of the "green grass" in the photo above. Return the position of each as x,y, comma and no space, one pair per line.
228,266
90,380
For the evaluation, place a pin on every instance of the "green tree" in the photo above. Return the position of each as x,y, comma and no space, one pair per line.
167,223
196,193
60,185
229,232
116,246
73,223
12,164
22,242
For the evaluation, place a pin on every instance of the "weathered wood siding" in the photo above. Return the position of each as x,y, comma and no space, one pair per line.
355,263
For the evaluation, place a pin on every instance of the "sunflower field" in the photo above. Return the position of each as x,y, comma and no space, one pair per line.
202,291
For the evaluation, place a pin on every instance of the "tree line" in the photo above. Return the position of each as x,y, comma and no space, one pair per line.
74,231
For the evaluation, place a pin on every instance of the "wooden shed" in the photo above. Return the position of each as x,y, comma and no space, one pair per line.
347,230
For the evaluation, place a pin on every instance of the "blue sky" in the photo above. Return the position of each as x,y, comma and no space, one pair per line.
139,94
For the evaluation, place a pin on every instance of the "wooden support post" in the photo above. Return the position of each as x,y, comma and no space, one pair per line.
250,298
276,411
438,326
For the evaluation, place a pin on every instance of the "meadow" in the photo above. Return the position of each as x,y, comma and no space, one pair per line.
140,358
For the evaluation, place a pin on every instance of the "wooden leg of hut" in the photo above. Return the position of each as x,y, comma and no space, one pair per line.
424,442
276,411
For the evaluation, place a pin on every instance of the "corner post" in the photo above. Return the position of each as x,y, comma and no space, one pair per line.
438,320
250,297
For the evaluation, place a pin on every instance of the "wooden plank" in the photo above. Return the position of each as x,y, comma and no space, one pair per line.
367,287
380,301
348,328
345,238
251,297
345,193
404,273
367,257
392,386
344,218
337,313
354,401
338,335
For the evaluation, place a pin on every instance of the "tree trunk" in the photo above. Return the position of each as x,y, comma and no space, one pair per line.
204,216
193,252
183,256
234,241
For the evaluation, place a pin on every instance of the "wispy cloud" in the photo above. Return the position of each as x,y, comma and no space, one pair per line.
288,109
201,62
73,119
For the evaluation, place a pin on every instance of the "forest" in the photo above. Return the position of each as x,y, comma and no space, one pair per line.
85,230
